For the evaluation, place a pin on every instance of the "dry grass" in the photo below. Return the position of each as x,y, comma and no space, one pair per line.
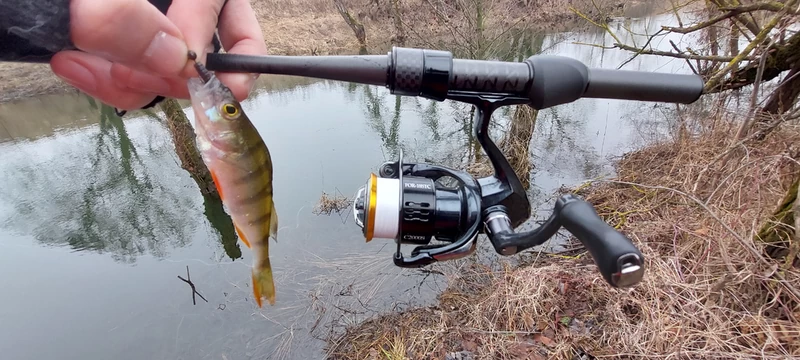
533,312
710,290
21,80
329,204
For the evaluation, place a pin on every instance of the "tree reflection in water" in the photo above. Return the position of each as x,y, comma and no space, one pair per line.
100,195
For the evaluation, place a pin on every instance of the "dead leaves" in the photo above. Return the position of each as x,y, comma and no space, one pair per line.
470,346
544,340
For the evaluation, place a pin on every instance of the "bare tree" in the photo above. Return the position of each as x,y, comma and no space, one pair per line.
353,23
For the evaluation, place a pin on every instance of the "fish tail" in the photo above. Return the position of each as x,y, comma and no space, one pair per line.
263,285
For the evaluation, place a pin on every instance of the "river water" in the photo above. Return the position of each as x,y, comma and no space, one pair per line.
97,219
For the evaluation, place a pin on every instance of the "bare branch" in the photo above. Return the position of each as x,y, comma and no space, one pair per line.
762,35
675,55
731,12
766,6
702,25
603,26
649,40
594,45
750,25
779,59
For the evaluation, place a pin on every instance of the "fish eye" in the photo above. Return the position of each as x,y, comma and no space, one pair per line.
230,110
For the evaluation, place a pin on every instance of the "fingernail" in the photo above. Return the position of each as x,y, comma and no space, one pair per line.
78,76
166,54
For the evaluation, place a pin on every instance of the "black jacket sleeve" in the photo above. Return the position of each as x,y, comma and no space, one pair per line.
33,30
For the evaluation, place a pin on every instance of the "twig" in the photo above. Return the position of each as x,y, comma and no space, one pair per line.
649,40
687,60
594,45
676,55
731,12
188,280
677,262
604,26
745,127
741,18
741,240
676,13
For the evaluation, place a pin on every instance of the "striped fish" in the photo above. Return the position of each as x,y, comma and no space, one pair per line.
241,168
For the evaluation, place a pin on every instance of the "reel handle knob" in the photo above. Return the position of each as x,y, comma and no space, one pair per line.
619,261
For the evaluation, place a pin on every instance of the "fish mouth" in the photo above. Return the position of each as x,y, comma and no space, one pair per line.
205,75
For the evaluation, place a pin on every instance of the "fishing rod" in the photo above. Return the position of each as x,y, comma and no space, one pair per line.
405,203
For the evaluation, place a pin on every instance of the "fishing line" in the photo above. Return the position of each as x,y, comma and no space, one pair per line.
177,332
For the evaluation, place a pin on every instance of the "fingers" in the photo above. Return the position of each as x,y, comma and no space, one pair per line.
135,80
131,32
240,33
197,20
148,49
92,75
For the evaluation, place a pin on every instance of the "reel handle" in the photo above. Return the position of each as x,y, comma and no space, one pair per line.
618,260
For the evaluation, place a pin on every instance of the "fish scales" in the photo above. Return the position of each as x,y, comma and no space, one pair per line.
241,167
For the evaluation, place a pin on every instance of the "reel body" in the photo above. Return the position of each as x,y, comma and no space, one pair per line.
416,208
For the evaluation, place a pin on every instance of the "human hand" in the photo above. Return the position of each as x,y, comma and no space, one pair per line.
131,52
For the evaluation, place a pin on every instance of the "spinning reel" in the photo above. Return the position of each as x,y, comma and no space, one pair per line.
406,203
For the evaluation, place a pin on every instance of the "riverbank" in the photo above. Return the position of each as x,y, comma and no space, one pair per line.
712,288
314,27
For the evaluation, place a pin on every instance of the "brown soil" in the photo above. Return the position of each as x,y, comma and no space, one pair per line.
314,27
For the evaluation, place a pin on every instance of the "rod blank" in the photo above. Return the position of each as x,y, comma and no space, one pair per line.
547,80
364,69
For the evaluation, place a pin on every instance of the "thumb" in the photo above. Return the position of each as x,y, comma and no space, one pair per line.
131,32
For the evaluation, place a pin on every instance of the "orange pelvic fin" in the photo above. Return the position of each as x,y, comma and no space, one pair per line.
241,236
